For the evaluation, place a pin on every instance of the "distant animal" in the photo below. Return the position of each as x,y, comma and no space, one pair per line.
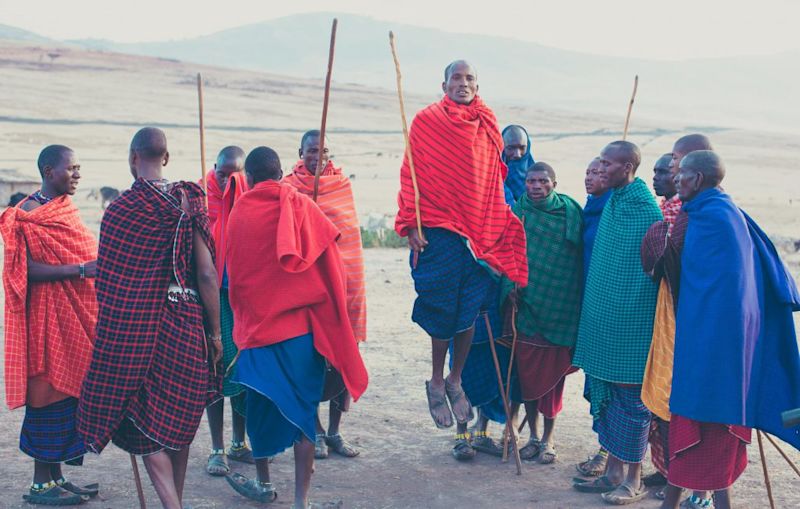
16,198
105,194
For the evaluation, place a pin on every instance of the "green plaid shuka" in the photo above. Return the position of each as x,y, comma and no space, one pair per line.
551,303
619,300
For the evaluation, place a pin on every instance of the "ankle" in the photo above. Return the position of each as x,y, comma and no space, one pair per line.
44,486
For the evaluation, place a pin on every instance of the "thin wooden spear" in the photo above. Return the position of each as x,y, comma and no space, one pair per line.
325,108
630,107
766,473
509,427
203,177
138,480
408,142
511,364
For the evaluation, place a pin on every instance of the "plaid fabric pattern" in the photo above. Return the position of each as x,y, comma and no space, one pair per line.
551,303
706,456
670,208
49,326
451,286
229,350
659,444
49,435
616,324
150,360
624,426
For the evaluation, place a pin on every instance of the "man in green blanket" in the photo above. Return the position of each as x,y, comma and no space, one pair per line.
549,307
616,326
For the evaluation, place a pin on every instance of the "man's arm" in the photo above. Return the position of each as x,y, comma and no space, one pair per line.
209,293
38,271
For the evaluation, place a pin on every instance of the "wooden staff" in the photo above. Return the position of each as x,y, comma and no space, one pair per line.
764,466
408,142
509,428
138,480
203,177
630,107
511,364
790,462
325,108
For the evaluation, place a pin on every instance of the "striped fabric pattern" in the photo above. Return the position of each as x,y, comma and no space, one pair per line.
335,198
49,435
457,157
49,326
624,426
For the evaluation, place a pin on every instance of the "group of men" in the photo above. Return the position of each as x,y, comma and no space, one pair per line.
680,314
124,340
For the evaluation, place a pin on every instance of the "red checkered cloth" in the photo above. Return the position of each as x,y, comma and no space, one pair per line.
49,326
149,363
670,208
706,456
461,143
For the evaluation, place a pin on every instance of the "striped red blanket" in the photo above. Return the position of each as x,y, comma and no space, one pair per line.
457,157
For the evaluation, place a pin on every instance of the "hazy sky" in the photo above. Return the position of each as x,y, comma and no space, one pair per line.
640,28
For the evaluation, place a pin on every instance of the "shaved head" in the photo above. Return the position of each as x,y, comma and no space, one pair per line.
263,164
448,71
692,142
663,162
150,144
229,155
699,170
460,82
626,152
51,156
543,168
619,161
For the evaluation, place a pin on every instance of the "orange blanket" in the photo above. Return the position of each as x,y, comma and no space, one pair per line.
286,278
335,198
49,326
220,204
456,150
657,384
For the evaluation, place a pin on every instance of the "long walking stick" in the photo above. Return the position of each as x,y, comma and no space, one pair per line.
506,437
764,466
790,462
203,177
509,427
138,480
325,108
630,107
408,142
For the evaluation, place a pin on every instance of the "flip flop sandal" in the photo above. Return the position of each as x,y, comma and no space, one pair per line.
436,403
531,450
462,451
252,489
217,465
341,446
90,490
624,495
548,455
241,454
54,496
600,485
486,445
593,466
320,447
455,395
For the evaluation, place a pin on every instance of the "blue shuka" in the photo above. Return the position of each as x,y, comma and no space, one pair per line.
515,181
592,212
736,354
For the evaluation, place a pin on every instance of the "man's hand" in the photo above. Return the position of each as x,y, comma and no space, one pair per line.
415,242
215,348
90,269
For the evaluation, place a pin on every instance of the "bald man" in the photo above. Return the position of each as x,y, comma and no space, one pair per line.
154,365
518,156
616,326
469,234
735,315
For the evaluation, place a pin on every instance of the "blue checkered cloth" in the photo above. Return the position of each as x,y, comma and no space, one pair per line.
49,434
451,285
624,424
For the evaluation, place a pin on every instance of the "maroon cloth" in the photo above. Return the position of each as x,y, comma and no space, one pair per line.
542,368
706,456
149,363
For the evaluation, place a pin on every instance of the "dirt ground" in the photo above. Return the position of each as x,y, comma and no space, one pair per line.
405,461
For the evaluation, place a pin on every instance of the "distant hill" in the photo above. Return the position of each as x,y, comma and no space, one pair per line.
751,91
18,34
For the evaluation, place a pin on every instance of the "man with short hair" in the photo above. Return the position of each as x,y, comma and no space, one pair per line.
548,308
335,199
518,157
225,184
287,338
469,233
616,326
734,312
50,316
154,365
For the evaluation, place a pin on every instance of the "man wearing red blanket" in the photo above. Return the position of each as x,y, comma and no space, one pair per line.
287,286
469,233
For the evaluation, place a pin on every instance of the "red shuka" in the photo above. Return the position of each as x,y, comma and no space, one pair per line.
286,278
220,204
457,157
